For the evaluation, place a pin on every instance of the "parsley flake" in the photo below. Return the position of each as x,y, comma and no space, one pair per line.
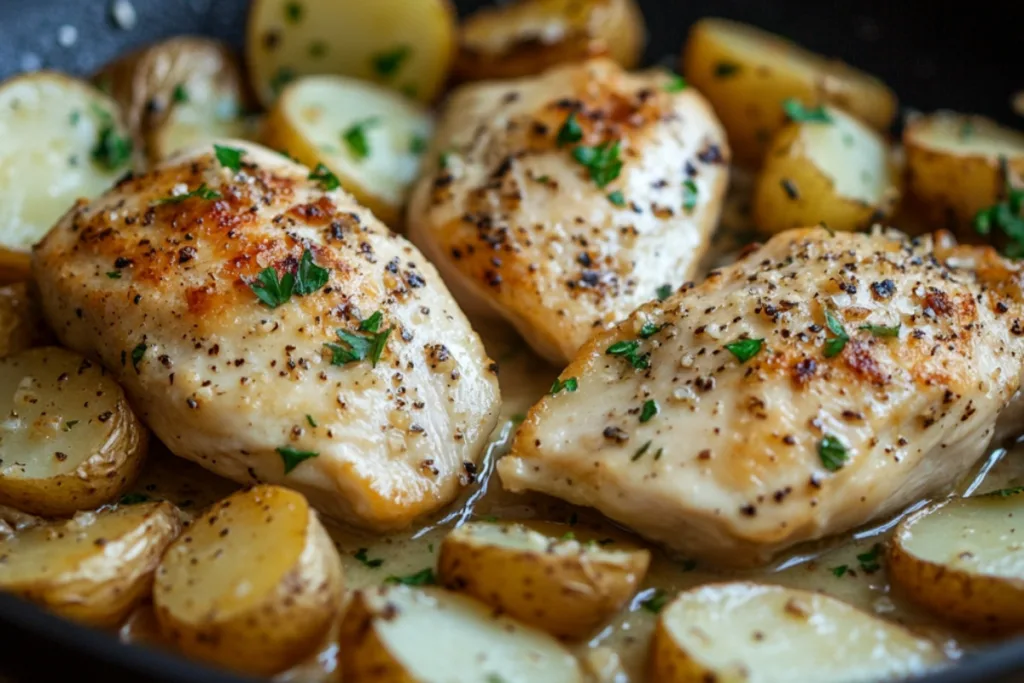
663,292
616,198
796,111
201,192
569,384
180,94
133,499
293,457
418,144
882,330
111,151
640,452
835,345
689,194
272,290
676,83
309,277
279,80
355,137
649,410
1006,216
229,157
745,349
570,131
424,577
602,162
656,602
137,353
114,275
832,453
310,420
1005,493
69,425
362,557
649,329
629,350
368,342
387,64
840,570
292,12
326,179
870,562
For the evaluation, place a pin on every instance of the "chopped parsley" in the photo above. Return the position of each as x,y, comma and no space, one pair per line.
229,157
310,420
111,151
292,12
424,577
640,452
133,499
656,602
832,453
796,111
114,275
870,562
835,345
309,277
75,117
279,80
629,350
570,131
649,410
361,556
355,138
745,349
882,330
1006,216
272,290
616,198
69,425
840,570
326,179
387,64
137,353
649,329
292,457
180,94
1002,493
676,83
726,69
663,292
569,384
201,192
689,194
418,144
602,162
368,342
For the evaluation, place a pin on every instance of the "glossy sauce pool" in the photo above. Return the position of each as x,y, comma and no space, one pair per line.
845,567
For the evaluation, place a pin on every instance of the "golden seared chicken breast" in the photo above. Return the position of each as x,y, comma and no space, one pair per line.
269,328
562,202
820,382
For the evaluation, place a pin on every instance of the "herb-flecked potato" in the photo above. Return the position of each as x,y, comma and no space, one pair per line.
542,575
954,168
69,440
94,568
397,634
253,584
407,45
748,73
829,168
178,93
964,560
369,137
21,324
758,633
60,140
530,36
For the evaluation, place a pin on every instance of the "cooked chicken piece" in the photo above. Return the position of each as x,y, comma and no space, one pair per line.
529,216
818,383
366,388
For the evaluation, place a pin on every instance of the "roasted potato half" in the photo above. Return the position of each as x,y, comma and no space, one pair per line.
93,568
740,632
530,36
564,585
369,137
21,325
964,560
252,585
836,171
60,140
398,634
69,440
748,73
954,169
178,93
407,45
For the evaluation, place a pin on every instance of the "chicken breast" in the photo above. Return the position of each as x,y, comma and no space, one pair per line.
563,201
274,331
818,383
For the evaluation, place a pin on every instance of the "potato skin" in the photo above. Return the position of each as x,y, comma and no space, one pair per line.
748,99
275,630
21,325
569,595
613,28
366,659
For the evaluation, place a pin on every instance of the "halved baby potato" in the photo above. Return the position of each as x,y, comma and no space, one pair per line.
964,560
94,568
253,584
177,93
530,36
68,439
21,325
836,172
747,74
954,169
564,585
60,140
369,137
397,634
407,45
758,633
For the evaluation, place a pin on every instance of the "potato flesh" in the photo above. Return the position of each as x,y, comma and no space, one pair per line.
970,135
441,636
852,155
761,634
49,125
517,537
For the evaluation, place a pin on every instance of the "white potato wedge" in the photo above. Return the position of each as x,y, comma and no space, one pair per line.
747,74
21,325
252,585
407,45
757,633
178,93
368,136
398,634
964,560
542,576
530,36
953,166
94,568
69,440
837,172
60,140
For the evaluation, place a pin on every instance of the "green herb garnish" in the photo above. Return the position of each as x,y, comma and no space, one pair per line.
649,410
602,162
663,292
676,83
1006,493
616,198
111,150
689,194
133,499
745,349
835,345
796,111
570,131
368,342
311,421
355,138
180,94
832,453
137,353
309,277
279,80
114,275
292,12
656,602
201,192
387,64
292,457
418,144
882,330
649,329
272,290
839,571
569,384
361,556
640,452
229,157
326,179
1006,216
870,561
424,577
629,350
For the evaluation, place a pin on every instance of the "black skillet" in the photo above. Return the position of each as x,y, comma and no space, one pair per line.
960,55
